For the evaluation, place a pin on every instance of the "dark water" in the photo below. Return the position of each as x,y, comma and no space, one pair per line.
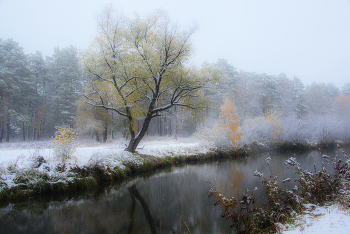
169,201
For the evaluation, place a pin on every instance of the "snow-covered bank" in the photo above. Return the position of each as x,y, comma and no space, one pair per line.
159,148
32,167
111,154
326,219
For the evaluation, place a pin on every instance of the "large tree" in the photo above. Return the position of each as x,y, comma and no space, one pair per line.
139,67
64,76
15,84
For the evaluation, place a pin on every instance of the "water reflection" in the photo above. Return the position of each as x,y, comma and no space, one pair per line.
171,201
134,194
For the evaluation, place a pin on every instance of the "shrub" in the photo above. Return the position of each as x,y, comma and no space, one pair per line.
65,143
243,218
227,127
315,187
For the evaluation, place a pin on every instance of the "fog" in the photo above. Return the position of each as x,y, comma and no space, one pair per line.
285,63
306,39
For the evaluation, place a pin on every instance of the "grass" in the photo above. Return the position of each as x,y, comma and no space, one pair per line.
65,180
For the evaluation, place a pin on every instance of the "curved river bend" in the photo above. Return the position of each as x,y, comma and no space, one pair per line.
174,200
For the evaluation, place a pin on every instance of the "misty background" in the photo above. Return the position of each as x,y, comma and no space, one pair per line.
306,39
284,66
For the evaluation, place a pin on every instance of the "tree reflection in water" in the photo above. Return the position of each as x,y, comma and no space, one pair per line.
134,193
173,200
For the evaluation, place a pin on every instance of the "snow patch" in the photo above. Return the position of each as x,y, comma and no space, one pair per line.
316,219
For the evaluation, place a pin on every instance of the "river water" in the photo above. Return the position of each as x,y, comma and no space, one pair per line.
172,200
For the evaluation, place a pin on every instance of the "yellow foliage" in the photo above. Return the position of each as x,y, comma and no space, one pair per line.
65,143
140,67
228,122
272,118
134,57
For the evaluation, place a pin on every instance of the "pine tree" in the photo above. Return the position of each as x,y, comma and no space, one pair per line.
15,85
63,76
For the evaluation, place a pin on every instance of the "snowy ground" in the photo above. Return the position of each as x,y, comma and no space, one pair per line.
10,153
18,158
327,219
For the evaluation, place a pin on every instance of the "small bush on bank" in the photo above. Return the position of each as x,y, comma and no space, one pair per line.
316,187
226,129
65,143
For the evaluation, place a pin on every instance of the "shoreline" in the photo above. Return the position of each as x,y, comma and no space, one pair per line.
65,178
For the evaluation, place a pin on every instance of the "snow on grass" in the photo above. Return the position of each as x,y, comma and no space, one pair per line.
22,159
160,148
326,219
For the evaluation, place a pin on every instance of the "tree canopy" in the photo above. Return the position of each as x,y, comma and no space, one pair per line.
140,67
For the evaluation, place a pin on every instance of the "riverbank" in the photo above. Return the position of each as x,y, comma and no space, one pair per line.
28,169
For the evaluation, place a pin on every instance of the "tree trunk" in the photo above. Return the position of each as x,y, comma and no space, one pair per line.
23,126
105,132
34,121
8,118
24,132
2,128
160,126
169,125
2,124
97,136
134,141
8,128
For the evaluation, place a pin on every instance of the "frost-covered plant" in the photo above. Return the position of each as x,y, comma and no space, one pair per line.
36,150
226,129
294,130
273,119
204,133
2,171
318,186
65,143
29,176
96,161
243,218
12,166
255,131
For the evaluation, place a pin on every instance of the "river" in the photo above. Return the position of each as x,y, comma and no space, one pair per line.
171,200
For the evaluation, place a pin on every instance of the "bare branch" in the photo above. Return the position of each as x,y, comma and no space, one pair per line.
99,76
106,107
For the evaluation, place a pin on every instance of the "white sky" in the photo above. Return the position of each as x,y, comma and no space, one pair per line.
309,39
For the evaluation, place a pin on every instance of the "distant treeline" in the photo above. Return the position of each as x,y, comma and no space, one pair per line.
280,110
38,95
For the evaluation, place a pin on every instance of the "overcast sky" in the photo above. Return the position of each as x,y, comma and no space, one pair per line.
309,39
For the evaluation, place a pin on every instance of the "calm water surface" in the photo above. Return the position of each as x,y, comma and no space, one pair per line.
174,200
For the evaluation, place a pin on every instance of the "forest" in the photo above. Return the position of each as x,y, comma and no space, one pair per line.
39,95
137,80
